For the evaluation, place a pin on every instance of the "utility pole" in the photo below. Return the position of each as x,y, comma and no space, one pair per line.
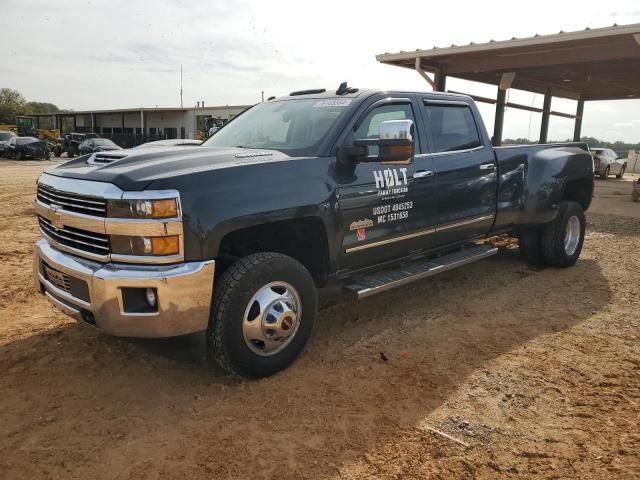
263,95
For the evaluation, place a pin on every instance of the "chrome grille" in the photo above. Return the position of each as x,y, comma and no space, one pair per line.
57,278
95,243
72,202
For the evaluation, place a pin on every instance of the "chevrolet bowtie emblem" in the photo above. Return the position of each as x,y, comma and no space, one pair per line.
55,218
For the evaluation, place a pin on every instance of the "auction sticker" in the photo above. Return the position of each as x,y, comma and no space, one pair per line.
333,102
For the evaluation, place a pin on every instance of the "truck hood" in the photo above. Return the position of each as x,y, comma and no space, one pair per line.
135,169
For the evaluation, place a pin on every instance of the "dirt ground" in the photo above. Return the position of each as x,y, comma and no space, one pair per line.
531,374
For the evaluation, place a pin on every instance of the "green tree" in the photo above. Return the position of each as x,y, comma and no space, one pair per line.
40,107
12,103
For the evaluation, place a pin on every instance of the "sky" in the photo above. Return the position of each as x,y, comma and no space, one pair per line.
124,53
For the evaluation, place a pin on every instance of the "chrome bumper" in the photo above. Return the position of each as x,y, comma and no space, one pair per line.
183,293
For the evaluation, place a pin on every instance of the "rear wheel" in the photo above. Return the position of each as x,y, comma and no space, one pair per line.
264,307
621,174
19,155
563,238
530,241
606,173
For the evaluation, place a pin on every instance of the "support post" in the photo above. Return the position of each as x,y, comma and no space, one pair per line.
440,81
37,122
424,75
75,123
499,120
577,129
93,122
546,113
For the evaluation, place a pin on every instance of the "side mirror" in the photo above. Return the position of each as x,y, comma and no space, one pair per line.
396,141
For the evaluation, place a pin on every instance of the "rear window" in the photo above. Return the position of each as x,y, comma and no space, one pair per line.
452,127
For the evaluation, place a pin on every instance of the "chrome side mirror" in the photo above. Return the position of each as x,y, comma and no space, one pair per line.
396,141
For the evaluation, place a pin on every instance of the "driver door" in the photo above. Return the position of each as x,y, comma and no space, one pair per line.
387,209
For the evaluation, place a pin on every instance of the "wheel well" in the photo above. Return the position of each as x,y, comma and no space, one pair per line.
304,239
580,191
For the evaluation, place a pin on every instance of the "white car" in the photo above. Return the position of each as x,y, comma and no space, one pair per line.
606,162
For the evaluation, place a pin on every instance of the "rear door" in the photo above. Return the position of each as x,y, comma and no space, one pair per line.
465,170
387,209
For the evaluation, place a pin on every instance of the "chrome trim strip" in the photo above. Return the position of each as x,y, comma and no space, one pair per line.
466,150
418,234
464,222
391,240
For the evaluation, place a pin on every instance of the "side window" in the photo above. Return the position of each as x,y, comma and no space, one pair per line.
369,129
452,127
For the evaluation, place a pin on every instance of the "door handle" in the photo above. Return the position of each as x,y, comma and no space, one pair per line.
423,174
487,166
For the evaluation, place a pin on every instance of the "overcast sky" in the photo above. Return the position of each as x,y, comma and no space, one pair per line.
123,53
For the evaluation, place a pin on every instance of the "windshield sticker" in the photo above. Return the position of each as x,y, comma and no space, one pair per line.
333,102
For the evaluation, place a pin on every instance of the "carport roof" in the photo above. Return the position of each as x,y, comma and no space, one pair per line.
592,64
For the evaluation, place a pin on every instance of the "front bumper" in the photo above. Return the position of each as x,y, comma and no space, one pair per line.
93,292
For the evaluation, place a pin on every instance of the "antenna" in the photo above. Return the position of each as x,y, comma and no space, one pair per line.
181,86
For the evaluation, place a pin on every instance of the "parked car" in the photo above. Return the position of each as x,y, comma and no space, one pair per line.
93,145
635,192
606,162
5,136
70,143
366,189
176,142
26,147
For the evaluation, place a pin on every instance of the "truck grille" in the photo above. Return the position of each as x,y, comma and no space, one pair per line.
95,243
57,278
72,202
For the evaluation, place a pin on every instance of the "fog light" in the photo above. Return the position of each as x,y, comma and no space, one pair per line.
151,297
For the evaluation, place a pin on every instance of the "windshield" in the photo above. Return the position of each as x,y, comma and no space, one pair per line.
105,142
4,136
293,126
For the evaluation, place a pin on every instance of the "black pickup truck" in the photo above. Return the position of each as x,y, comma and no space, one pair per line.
367,189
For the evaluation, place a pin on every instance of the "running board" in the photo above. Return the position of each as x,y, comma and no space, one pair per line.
381,281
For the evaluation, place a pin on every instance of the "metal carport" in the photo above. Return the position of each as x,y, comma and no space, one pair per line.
592,64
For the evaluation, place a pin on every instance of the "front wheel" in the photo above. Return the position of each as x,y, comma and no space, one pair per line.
19,155
606,173
563,238
264,307
621,174
71,152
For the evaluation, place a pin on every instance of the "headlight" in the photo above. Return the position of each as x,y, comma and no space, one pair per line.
143,246
165,208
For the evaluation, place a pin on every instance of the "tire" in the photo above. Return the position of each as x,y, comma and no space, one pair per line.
604,175
57,151
621,174
530,242
557,249
234,304
71,152
47,155
19,155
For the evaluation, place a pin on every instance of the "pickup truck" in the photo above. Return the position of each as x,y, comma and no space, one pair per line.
365,189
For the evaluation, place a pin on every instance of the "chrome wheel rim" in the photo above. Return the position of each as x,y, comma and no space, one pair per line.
572,236
272,318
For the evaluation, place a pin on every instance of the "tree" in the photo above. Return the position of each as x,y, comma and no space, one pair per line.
12,103
41,107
